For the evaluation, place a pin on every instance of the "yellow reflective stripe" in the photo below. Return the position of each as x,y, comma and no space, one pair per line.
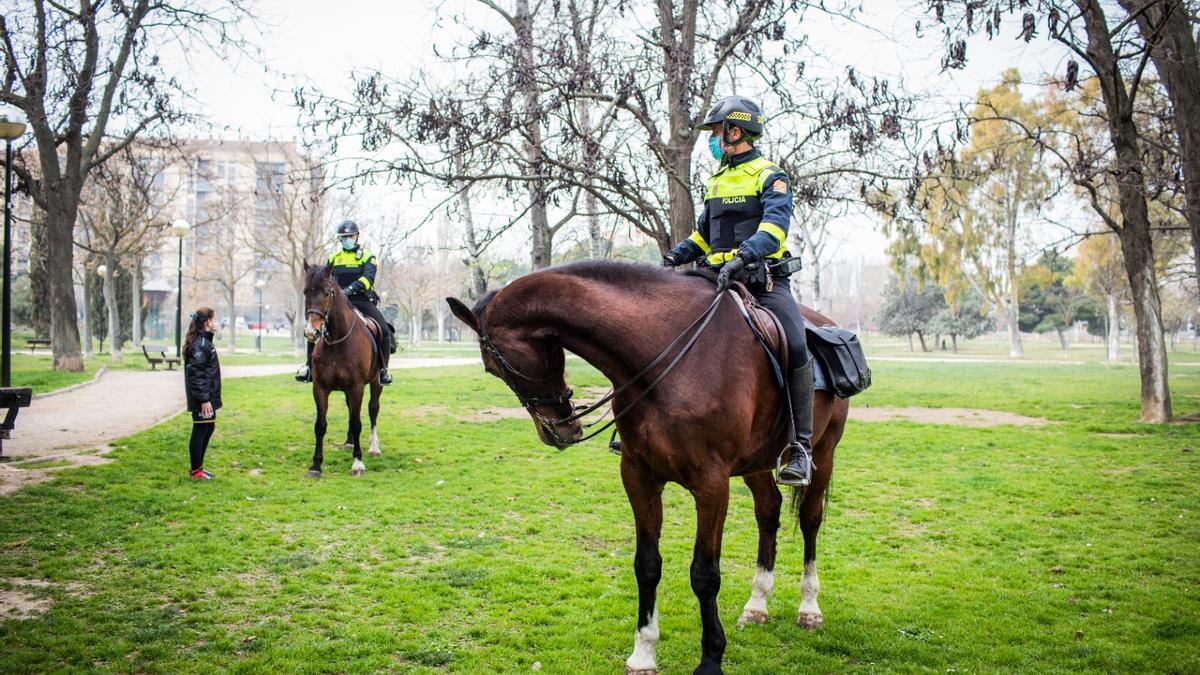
744,180
773,230
765,171
698,239
350,258
720,257
365,282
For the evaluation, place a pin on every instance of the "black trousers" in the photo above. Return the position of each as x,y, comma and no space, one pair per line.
780,301
368,308
202,431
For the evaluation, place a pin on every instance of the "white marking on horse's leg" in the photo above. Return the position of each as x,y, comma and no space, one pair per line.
358,468
755,610
644,642
810,614
374,449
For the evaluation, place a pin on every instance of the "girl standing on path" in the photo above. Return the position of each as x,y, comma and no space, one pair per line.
202,382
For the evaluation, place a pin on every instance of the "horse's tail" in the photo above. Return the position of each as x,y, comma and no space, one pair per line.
798,499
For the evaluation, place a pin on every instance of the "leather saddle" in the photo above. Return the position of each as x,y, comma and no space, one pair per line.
372,327
764,323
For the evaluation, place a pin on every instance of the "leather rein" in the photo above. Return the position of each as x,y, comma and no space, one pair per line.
509,373
323,334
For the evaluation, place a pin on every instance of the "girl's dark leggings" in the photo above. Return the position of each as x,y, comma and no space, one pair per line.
201,432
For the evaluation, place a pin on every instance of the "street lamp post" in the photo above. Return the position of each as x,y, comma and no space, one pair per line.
180,229
10,130
258,338
101,270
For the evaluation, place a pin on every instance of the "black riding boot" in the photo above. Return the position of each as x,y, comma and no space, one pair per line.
798,471
305,372
385,378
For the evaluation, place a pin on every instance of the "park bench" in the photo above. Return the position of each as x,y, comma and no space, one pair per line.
12,399
34,343
156,355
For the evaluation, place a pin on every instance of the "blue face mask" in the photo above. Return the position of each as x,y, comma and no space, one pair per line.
714,148
348,244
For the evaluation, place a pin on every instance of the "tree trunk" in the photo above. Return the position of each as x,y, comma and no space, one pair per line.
910,343
542,239
478,280
88,349
816,283
1113,337
110,304
1062,340
298,319
1134,233
591,156
1011,311
440,316
136,304
230,299
414,323
1166,23
954,342
39,281
678,40
60,249
921,337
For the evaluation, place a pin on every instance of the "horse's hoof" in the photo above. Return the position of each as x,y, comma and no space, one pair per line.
313,473
374,452
810,621
751,616
348,444
642,671
357,472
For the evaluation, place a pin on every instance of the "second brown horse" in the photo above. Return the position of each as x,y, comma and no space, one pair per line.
346,358
712,417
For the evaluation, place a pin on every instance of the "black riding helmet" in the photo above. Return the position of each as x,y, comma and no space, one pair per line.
736,111
347,228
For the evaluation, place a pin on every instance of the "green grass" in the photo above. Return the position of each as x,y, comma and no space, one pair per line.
469,547
1037,347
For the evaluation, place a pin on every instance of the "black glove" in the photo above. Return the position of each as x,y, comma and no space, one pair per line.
670,260
729,273
353,288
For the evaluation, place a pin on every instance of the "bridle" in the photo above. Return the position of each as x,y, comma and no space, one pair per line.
509,374
323,333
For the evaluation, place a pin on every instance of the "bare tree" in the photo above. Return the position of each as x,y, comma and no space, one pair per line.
76,72
1166,26
120,212
290,225
1117,54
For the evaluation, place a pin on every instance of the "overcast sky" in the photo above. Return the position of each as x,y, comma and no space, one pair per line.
320,43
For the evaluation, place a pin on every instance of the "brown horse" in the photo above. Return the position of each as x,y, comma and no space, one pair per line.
344,359
712,417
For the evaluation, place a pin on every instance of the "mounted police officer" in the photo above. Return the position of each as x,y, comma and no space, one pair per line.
354,268
742,232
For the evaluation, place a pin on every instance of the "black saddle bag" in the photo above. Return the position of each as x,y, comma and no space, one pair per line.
840,353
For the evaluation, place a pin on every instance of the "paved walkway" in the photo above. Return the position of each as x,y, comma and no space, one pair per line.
75,427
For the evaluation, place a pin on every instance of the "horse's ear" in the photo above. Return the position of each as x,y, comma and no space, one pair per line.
306,265
329,269
463,313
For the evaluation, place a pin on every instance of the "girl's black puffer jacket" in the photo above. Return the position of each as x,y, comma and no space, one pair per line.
202,373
